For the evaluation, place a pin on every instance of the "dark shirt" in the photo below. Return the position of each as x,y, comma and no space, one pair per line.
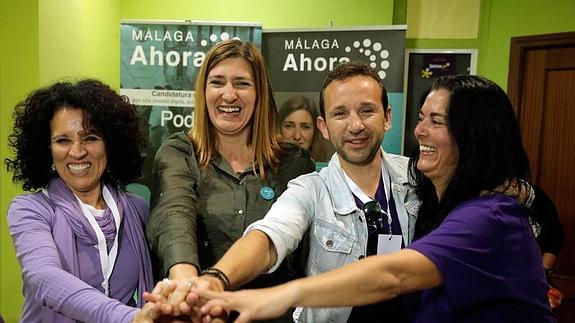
391,310
490,265
545,223
198,213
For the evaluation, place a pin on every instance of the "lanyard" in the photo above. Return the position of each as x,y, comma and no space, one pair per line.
107,261
364,198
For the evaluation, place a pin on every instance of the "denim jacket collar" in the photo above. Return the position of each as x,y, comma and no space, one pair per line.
342,197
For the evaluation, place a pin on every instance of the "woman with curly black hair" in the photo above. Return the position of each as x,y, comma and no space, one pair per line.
79,238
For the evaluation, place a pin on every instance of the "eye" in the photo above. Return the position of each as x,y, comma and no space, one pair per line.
61,141
306,126
437,121
242,83
215,82
287,125
367,111
92,138
339,114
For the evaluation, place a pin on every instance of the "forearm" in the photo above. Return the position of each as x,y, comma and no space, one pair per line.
172,223
45,279
548,260
65,293
367,281
247,258
358,283
174,242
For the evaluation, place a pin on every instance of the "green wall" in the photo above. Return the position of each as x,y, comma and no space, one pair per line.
44,41
499,21
502,20
273,14
18,74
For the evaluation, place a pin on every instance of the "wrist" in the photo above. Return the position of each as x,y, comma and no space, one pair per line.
214,283
293,292
219,275
182,271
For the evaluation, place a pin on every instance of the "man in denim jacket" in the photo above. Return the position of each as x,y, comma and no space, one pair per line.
330,204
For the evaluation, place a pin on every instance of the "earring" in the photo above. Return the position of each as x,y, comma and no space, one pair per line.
53,168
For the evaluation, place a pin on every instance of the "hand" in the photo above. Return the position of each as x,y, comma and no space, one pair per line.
555,296
152,310
181,275
255,304
194,302
169,297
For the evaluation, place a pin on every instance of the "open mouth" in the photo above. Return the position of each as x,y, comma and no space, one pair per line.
229,109
78,168
427,149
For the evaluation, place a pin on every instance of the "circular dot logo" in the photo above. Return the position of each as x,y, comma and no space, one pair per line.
375,53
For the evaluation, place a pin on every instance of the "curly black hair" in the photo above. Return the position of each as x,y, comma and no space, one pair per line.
105,112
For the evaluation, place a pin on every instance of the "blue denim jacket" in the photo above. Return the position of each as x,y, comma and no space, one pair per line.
323,203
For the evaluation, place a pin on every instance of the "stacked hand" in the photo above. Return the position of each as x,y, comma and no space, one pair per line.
175,301
202,300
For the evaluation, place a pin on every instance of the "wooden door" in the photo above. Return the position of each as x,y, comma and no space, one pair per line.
542,90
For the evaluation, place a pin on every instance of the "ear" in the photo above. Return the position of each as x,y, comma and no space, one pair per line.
322,126
388,118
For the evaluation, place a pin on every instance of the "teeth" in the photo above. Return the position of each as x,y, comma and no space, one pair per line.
229,109
78,167
427,149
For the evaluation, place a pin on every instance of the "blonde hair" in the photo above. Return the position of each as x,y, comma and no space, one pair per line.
263,136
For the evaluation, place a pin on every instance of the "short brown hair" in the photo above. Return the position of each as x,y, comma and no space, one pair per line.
347,70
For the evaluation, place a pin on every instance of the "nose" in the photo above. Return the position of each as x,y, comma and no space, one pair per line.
355,124
419,130
297,133
229,93
78,150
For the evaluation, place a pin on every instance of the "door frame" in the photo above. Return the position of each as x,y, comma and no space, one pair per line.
518,50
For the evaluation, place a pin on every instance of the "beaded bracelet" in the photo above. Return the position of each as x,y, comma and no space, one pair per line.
530,193
218,274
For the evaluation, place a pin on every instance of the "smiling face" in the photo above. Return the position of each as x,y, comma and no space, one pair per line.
438,152
231,96
355,121
79,155
298,127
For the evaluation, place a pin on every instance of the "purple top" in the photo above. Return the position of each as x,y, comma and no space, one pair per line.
60,265
124,279
490,264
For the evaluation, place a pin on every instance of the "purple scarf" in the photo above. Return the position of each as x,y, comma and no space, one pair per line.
77,228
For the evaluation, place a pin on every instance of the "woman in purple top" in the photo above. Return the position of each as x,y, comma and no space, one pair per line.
80,239
475,259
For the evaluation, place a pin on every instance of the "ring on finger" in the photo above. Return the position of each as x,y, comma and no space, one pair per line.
167,281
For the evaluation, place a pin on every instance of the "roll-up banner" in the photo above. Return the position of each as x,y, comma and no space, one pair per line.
298,61
160,61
